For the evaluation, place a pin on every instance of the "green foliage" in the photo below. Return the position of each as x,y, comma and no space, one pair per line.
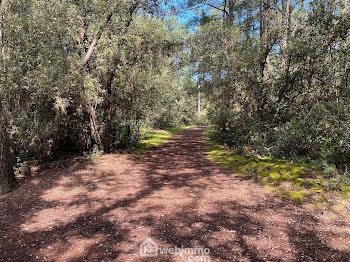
53,106
282,92
200,119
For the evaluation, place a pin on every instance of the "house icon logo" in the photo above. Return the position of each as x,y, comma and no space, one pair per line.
148,248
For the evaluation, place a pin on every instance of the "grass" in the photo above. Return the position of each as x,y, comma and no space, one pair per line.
153,138
299,182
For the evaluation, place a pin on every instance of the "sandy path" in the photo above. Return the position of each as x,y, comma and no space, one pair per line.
175,196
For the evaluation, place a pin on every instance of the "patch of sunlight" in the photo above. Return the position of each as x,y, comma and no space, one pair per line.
72,249
153,138
52,217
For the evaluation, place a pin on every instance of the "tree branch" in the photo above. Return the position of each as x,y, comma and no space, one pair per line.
217,8
99,34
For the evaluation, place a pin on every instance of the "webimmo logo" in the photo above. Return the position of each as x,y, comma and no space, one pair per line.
148,248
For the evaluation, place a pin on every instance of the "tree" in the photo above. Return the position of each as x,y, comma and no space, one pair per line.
265,37
292,98
57,105
7,177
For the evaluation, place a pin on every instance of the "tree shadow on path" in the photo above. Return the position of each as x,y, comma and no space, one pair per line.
173,194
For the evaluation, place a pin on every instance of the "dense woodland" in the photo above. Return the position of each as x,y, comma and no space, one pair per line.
277,76
80,75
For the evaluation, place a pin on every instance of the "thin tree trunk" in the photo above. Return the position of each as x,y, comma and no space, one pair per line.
95,134
224,11
346,5
103,27
8,181
99,34
265,38
7,177
110,112
199,99
2,14
231,11
286,32
110,77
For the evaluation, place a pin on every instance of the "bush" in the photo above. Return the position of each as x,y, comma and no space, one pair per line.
323,134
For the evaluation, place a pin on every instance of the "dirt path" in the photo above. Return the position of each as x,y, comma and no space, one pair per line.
175,196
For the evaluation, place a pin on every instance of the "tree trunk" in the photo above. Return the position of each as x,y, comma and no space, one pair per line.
103,27
7,177
3,5
286,20
110,112
286,32
346,5
99,34
94,128
231,11
265,38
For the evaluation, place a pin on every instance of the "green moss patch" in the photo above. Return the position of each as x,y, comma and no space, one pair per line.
297,196
276,171
298,182
346,192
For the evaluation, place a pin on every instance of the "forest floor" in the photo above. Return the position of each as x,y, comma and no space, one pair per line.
103,210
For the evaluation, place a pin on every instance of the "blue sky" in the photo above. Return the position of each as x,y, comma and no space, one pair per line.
185,14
